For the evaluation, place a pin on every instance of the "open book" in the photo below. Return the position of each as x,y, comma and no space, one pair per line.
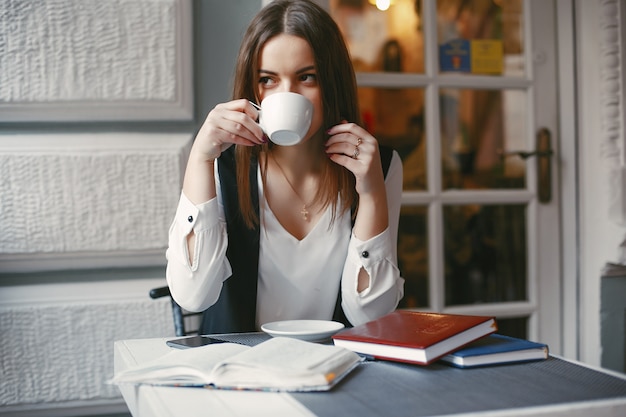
278,364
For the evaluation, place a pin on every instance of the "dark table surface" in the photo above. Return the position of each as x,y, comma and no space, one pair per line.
382,388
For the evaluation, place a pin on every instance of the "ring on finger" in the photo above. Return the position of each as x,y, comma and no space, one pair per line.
356,152
358,142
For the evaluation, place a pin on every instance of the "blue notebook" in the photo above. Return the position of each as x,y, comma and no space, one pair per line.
496,349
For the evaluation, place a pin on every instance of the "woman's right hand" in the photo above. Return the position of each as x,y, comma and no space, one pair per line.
233,122
228,123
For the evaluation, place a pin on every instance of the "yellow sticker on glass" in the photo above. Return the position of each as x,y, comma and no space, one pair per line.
486,56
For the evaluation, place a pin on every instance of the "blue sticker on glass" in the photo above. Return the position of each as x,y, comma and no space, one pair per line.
454,56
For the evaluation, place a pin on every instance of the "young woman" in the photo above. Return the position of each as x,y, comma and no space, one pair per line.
266,232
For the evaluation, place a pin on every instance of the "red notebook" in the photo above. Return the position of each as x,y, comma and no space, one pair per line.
415,337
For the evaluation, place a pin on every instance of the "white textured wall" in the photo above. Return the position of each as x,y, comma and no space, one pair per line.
95,60
67,195
56,347
88,192
64,352
601,158
87,50
99,194
84,200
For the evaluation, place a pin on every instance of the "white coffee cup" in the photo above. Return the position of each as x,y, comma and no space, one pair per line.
286,117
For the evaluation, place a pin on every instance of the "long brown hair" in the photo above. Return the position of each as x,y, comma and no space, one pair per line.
336,79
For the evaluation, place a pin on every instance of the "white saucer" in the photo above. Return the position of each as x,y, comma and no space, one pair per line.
310,330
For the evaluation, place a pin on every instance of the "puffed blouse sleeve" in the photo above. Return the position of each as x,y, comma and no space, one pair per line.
196,285
378,256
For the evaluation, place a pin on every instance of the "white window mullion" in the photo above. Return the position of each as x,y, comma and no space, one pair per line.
436,252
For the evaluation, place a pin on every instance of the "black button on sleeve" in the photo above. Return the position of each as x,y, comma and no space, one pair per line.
365,254
190,219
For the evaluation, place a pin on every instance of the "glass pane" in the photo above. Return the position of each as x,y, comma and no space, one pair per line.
484,253
388,40
395,117
477,126
514,327
481,37
413,256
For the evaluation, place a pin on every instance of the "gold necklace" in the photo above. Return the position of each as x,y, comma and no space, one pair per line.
304,212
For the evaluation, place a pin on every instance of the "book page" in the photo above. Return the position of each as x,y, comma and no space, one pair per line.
285,363
181,366
279,364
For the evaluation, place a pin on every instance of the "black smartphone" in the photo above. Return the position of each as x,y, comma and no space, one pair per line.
192,341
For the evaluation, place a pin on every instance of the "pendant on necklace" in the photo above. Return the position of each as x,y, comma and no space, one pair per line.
305,213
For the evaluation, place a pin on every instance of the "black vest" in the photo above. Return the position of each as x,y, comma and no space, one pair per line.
235,310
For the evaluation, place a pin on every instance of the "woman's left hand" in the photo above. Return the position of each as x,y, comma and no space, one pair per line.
353,147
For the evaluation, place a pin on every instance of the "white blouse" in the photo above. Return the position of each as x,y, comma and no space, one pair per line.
298,279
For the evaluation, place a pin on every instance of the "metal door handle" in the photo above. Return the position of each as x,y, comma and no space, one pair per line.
543,151
526,154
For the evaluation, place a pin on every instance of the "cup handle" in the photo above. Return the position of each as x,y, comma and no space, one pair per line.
256,106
